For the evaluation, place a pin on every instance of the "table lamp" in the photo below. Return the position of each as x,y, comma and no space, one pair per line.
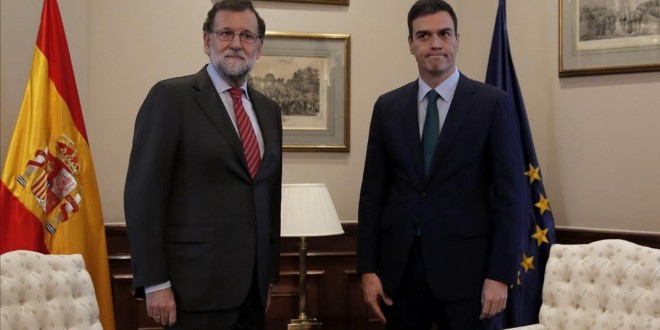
307,211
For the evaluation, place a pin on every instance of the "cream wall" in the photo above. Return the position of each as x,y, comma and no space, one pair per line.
597,138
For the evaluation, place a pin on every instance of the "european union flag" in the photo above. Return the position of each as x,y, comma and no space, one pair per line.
524,299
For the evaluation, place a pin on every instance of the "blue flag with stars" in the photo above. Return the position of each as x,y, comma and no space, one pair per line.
524,299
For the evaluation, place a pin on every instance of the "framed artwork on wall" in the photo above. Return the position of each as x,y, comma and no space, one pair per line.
326,2
608,36
309,76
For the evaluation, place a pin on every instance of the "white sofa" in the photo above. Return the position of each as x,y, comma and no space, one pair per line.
40,291
607,284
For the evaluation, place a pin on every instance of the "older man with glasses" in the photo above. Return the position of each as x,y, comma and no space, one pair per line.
202,195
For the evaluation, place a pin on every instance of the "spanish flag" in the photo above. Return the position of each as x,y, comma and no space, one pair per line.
49,200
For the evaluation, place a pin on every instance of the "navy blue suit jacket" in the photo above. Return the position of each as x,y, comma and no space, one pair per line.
469,209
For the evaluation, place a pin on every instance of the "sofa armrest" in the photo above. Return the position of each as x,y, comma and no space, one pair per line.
529,327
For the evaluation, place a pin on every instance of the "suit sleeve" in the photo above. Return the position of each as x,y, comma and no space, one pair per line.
276,213
375,183
148,185
509,193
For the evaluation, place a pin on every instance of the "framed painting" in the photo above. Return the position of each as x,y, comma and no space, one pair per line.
608,36
325,2
309,76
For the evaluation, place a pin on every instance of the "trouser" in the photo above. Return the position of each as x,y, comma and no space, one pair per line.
416,308
251,315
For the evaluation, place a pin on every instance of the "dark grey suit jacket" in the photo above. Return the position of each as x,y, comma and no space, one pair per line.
469,209
194,215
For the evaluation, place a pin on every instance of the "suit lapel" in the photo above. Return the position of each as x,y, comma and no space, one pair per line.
209,100
409,117
458,110
265,118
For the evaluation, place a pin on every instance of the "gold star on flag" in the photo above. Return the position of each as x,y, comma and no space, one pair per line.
543,204
533,173
540,235
527,263
518,281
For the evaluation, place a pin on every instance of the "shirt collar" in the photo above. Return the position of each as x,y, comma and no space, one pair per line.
220,84
446,89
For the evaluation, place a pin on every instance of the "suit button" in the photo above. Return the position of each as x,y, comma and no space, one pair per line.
423,194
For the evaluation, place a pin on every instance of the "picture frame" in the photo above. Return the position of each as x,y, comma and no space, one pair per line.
308,74
324,2
608,37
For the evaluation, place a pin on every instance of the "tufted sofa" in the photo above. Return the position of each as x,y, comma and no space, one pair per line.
607,284
46,292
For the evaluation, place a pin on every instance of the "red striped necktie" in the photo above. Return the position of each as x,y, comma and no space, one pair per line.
250,144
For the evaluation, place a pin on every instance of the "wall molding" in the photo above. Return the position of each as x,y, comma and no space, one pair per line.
568,235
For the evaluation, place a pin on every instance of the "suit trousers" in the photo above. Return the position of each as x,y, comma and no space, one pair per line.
251,315
416,308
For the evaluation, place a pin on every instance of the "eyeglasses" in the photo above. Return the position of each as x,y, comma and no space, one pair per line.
245,37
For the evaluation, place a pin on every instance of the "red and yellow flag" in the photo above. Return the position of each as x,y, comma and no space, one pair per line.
49,200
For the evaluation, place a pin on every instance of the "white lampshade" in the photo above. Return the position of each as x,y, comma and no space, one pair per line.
307,210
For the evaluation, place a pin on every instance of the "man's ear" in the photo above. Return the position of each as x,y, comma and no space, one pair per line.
260,50
207,45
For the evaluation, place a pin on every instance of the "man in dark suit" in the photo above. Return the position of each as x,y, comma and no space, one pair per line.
202,195
441,204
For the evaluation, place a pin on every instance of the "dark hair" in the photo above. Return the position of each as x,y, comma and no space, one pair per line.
428,7
233,5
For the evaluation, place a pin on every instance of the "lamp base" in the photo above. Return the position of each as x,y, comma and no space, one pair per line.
304,324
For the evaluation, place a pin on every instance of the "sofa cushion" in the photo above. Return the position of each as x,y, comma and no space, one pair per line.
46,292
607,284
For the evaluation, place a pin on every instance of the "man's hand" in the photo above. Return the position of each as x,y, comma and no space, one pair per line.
493,298
161,306
373,294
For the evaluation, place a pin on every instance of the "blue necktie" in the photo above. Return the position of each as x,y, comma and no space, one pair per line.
431,129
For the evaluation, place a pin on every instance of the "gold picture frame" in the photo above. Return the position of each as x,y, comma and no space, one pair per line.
607,37
324,2
308,74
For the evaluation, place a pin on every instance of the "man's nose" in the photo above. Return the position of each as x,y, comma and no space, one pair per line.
436,42
236,42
